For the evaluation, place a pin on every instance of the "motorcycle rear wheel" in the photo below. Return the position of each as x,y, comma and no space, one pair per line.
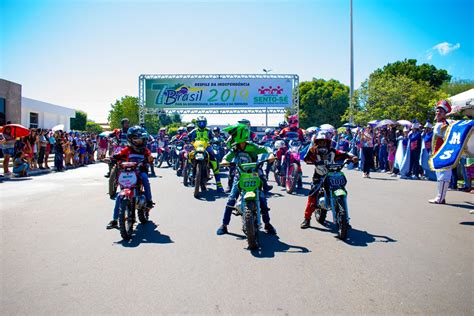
126,219
320,213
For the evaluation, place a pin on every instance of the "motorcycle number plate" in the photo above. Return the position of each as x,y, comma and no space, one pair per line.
199,156
337,180
127,179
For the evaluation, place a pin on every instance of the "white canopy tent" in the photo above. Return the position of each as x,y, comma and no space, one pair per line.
463,102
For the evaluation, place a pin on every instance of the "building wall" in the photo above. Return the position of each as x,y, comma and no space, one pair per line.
49,115
11,92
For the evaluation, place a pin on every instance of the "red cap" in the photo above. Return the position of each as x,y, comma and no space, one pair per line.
444,104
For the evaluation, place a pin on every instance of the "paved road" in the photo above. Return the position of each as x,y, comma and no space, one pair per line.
403,256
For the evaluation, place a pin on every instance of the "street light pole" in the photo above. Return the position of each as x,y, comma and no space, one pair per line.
351,93
266,71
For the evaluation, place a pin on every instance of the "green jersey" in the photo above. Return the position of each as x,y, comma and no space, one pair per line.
248,154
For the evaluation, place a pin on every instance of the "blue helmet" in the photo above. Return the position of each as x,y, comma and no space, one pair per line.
137,138
201,122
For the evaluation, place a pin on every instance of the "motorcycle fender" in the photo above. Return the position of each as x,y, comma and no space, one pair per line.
340,192
128,193
250,196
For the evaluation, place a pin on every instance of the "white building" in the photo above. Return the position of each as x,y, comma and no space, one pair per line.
38,114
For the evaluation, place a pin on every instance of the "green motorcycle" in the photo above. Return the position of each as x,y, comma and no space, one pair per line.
250,187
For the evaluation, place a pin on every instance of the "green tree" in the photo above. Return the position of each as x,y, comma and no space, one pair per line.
322,102
385,96
93,127
457,86
126,107
78,123
419,73
176,118
152,123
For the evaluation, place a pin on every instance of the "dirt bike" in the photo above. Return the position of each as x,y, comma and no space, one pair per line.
250,187
113,184
200,163
176,156
187,166
280,150
132,197
293,172
332,196
163,154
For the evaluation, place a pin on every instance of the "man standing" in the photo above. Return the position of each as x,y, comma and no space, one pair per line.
439,132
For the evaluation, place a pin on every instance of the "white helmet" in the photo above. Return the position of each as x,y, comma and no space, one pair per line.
280,144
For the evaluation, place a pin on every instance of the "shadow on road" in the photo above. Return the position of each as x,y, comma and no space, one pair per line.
320,229
270,244
359,238
211,195
14,179
467,223
146,233
468,205
275,195
384,179
302,192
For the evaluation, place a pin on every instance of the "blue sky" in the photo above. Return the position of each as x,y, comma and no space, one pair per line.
85,54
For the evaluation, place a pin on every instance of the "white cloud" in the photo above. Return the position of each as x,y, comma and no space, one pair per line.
445,48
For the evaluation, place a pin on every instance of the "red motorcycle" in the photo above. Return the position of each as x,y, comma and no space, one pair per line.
132,197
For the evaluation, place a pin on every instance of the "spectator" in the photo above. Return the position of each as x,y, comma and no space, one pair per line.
42,148
367,140
58,153
103,143
8,145
20,166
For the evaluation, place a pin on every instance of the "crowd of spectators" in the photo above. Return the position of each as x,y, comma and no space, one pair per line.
70,150
399,151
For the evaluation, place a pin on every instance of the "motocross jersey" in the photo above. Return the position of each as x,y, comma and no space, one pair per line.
248,154
128,154
202,135
299,131
314,157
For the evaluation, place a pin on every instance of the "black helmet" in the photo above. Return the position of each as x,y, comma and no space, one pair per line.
216,129
244,121
282,124
201,122
124,120
137,138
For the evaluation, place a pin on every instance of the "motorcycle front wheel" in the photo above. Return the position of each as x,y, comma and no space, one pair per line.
113,181
159,160
251,226
186,179
197,179
341,220
126,219
292,178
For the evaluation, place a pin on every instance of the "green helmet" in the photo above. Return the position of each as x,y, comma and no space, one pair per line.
240,133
